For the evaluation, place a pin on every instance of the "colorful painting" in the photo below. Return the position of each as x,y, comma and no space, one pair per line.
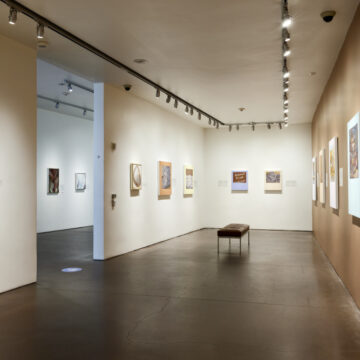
188,180
353,145
354,152
165,186
314,178
333,172
80,182
239,180
53,181
135,176
273,181
322,170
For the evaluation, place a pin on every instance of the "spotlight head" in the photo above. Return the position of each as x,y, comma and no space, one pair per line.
268,126
191,111
214,122
168,99
286,111
84,112
187,110
286,100
286,124
286,50
286,88
69,88
40,31
199,115
209,122
57,104
176,103
286,19
280,126
157,93
237,127
217,125
12,16
230,128
253,127
286,35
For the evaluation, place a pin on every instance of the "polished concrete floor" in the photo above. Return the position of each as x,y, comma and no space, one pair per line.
280,299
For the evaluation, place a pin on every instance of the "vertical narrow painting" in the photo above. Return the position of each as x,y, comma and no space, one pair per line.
53,181
322,169
239,180
273,180
333,173
80,182
314,178
353,145
165,186
135,176
188,180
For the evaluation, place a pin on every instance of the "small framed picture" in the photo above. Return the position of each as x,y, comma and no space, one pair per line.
135,176
53,181
80,182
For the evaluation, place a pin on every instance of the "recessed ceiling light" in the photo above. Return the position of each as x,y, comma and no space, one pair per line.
140,61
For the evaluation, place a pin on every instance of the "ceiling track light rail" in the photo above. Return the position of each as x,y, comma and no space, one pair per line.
72,84
59,102
44,22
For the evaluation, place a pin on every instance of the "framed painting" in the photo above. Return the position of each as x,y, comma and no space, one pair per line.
273,180
165,185
80,182
188,180
314,178
322,176
53,181
353,150
239,180
334,173
135,176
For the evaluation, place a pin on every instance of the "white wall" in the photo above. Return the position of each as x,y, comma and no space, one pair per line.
17,164
144,133
288,150
64,142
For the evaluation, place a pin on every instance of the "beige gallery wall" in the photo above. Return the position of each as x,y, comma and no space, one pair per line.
338,232
17,164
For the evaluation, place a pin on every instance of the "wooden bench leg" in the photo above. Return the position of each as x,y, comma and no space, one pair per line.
218,245
249,237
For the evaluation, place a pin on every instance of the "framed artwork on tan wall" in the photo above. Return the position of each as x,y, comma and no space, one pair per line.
333,173
165,184
135,176
322,176
53,181
353,150
314,178
273,180
188,180
239,180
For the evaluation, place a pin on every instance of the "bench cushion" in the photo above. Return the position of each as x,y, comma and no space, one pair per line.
233,230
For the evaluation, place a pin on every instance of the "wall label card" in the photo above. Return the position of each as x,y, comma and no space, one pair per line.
239,180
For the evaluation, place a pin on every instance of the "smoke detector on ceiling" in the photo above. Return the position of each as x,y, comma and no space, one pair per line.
42,44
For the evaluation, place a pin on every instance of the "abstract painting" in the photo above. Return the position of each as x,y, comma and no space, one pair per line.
314,178
80,182
353,146
135,176
188,180
165,185
333,172
273,181
322,170
53,181
239,180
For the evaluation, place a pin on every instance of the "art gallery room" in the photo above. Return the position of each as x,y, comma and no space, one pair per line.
180,179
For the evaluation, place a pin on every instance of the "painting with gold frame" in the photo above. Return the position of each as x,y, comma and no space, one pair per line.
333,173
165,183
135,176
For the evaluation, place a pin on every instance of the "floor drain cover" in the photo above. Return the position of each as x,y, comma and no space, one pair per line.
71,269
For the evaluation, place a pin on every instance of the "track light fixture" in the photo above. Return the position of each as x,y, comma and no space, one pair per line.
285,70
269,126
237,127
157,93
84,112
176,102
209,122
12,16
253,127
168,99
286,111
40,30
199,115
57,104
286,35
214,122
286,19
286,50
187,110
69,88
191,111
280,125
286,88
217,125
286,124
230,128
286,100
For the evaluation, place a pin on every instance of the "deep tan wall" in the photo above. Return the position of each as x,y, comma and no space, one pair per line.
338,232
17,164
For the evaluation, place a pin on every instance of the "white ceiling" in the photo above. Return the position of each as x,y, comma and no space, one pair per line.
217,54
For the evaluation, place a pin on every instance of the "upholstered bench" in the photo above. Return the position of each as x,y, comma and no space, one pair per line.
233,231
